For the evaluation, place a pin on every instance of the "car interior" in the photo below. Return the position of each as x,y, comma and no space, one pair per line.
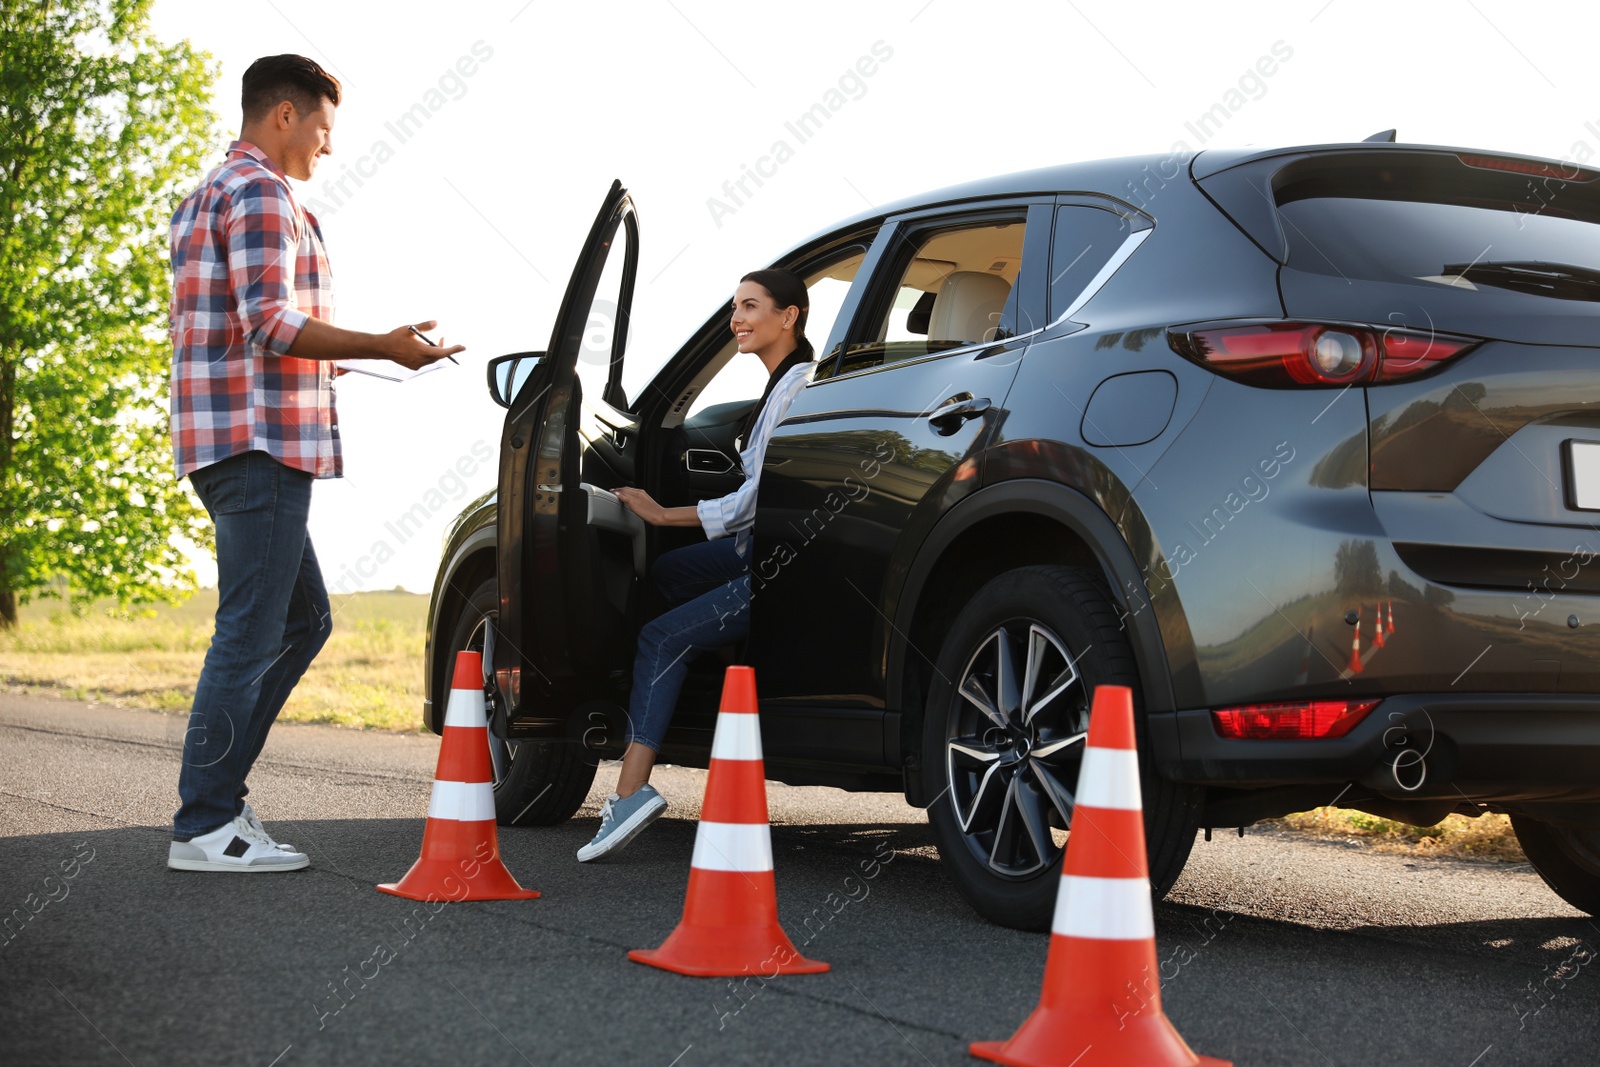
693,453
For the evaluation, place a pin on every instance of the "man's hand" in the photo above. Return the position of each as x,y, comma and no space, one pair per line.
413,353
321,340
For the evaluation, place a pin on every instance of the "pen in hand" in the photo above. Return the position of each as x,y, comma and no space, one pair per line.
425,339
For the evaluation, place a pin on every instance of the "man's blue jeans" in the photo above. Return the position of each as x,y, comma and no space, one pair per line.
272,620
715,582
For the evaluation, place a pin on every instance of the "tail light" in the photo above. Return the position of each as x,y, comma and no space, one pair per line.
1303,721
1566,172
1289,355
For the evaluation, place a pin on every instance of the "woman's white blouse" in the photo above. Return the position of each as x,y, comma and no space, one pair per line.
736,512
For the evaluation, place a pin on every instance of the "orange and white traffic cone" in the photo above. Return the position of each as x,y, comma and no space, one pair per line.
460,848
1101,1003
730,914
1377,626
1355,649
1391,616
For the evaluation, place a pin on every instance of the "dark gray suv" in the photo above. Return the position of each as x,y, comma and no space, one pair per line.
1303,445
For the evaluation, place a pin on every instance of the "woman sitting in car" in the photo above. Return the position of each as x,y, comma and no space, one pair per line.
708,582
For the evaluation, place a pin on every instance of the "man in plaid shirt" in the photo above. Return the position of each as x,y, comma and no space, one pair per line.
253,424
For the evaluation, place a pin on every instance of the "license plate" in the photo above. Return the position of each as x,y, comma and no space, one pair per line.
1583,475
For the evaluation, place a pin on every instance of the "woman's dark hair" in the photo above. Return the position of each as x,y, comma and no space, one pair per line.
274,79
787,290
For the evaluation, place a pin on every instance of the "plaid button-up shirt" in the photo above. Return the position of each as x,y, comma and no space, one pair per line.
248,269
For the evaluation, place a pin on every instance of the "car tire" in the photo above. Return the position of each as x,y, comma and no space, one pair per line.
1000,835
1566,857
536,783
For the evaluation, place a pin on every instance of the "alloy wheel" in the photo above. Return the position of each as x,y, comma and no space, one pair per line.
1016,742
482,640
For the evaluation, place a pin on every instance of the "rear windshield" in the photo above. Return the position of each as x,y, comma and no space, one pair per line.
1447,224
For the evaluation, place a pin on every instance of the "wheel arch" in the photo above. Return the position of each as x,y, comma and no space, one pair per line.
472,562
1036,521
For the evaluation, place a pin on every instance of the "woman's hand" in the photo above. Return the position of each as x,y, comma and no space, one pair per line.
643,505
640,503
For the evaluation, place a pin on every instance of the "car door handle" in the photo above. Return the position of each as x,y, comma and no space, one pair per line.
949,417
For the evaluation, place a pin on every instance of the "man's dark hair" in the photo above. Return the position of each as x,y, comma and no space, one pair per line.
274,79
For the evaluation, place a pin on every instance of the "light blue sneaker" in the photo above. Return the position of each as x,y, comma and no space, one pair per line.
622,820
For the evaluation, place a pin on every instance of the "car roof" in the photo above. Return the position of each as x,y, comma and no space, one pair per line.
1117,176
1101,175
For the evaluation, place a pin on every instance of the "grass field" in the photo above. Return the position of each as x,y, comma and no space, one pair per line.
1486,837
369,674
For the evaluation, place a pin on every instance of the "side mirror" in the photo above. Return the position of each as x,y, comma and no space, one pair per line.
507,374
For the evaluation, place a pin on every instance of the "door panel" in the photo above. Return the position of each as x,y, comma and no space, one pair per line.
610,439
883,442
559,622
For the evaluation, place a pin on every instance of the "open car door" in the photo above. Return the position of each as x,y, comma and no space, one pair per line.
568,552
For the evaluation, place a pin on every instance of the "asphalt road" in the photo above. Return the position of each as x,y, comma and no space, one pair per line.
1283,951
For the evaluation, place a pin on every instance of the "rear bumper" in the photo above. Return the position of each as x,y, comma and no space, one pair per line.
1484,747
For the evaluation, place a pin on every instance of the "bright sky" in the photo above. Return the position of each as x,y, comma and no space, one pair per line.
474,215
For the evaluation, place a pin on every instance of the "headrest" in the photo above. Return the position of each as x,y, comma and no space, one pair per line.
968,307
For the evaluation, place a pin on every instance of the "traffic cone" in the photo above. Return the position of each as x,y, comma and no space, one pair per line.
730,914
460,849
1355,649
1377,626
1101,1002
1391,616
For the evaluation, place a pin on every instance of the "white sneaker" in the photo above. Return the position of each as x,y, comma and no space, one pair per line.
249,816
234,846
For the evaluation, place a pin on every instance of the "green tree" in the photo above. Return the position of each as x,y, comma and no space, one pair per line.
1355,570
102,130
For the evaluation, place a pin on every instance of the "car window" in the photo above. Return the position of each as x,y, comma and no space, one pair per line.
952,287
743,377
1085,240
1478,245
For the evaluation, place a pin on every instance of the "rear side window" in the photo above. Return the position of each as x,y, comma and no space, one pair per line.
1085,240
1445,223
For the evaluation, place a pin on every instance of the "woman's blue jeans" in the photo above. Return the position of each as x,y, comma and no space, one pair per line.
272,620
711,583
